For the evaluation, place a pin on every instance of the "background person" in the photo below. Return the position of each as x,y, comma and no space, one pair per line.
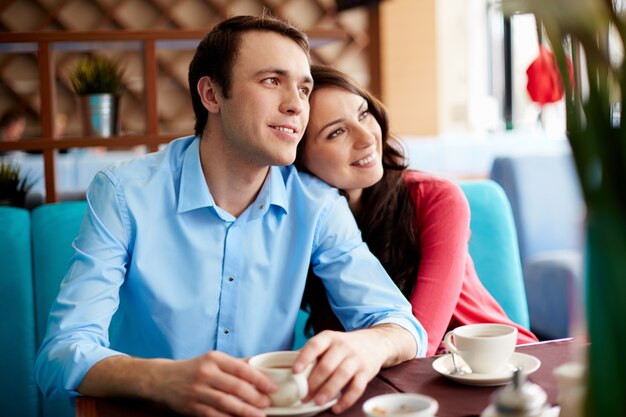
12,125
416,224
202,251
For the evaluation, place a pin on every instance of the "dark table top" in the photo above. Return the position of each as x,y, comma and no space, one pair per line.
416,376
456,400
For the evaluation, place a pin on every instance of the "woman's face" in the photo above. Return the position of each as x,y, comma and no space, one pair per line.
343,141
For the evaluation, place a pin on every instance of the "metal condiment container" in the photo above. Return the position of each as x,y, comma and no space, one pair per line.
519,399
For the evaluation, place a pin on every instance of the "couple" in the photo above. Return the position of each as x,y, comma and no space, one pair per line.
201,251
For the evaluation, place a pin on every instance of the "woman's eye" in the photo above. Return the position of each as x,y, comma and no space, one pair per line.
364,114
335,133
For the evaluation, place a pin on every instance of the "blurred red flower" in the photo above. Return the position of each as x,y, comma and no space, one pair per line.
544,80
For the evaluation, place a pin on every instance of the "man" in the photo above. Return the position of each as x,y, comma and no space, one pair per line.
12,125
202,252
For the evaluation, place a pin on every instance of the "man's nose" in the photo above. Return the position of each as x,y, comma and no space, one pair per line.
292,101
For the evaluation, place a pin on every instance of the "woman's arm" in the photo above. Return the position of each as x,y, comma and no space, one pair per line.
442,218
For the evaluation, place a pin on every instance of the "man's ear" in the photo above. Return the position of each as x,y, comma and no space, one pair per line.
210,94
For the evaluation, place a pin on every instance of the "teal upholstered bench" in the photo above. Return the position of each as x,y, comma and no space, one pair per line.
17,327
494,248
35,248
54,227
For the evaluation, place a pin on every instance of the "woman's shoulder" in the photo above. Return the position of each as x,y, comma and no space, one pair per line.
429,186
437,200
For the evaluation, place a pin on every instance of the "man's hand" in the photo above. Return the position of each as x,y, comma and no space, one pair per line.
214,384
351,360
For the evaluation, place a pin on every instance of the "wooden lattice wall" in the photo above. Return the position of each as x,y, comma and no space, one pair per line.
19,73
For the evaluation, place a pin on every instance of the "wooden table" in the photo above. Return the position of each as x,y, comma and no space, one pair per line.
456,400
416,376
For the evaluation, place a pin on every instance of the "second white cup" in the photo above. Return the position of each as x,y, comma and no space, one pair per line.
292,388
485,347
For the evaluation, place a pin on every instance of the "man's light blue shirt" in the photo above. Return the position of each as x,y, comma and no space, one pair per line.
180,276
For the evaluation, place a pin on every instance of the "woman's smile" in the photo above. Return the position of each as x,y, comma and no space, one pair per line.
366,162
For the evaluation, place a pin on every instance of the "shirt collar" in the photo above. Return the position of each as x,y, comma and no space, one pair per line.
277,189
194,192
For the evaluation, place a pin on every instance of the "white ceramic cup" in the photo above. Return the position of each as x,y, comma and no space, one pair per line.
292,388
485,347
401,405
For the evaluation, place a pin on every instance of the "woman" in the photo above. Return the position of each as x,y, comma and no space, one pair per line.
416,224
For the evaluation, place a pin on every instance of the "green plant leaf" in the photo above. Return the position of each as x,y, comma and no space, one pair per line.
96,75
12,183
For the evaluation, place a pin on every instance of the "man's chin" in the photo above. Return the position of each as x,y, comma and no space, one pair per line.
284,160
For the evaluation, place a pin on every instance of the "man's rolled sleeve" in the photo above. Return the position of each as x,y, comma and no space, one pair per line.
77,332
359,290
412,326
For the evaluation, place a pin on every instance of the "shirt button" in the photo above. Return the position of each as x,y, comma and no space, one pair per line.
231,278
261,206
226,331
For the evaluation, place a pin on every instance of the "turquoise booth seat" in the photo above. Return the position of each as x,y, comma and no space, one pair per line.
493,247
30,281
54,227
19,394
35,249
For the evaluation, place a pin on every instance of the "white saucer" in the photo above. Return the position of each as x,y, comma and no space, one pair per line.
527,363
303,410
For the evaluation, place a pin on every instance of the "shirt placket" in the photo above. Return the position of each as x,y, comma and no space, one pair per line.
228,329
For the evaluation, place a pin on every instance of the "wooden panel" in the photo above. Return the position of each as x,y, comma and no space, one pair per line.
409,65
48,106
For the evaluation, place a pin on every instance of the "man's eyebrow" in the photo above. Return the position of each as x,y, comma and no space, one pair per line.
282,72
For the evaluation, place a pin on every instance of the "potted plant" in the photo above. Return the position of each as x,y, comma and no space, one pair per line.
593,34
97,80
13,187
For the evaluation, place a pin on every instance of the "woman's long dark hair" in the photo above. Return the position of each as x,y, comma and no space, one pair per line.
386,216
